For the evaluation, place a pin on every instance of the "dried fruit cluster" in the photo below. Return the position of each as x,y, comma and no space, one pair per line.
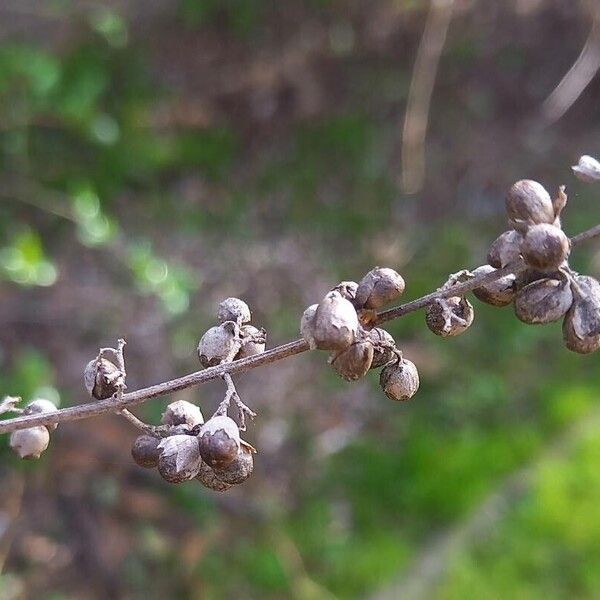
537,280
548,289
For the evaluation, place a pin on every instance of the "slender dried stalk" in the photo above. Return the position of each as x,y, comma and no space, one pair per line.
100,407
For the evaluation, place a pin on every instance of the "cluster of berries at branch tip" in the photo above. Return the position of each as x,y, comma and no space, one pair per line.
539,283
342,324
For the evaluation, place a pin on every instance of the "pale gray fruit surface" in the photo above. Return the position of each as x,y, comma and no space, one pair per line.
500,292
449,317
219,343
400,381
383,347
346,289
353,362
239,469
587,169
206,476
543,301
528,201
102,378
39,406
31,442
335,323
179,458
307,326
545,247
234,309
379,287
219,441
505,249
252,341
581,326
182,412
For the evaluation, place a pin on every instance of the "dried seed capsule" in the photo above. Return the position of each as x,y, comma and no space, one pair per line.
240,468
543,301
41,405
506,248
182,412
179,458
102,378
219,343
307,325
234,309
400,381
219,441
253,341
353,362
581,327
335,323
528,276
545,247
145,451
587,169
379,287
31,442
497,293
449,317
347,290
383,347
529,201
206,476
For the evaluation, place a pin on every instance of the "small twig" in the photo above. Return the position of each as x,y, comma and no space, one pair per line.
92,409
232,394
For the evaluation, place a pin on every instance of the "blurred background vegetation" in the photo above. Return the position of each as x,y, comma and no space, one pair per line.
156,157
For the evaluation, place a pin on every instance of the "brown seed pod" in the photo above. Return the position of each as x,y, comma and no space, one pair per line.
39,406
545,247
179,458
335,323
219,343
253,341
145,451
307,325
102,378
383,347
353,362
31,442
240,468
449,317
497,293
581,327
506,248
346,289
543,301
379,287
182,412
234,309
400,380
219,441
529,201
206,476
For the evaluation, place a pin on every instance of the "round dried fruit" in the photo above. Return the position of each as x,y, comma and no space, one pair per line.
253,341
145,451
505,249
182,412
179,458
240,468
234,309
102,378
383,347
41,405
307,325
500,292
449,317
353,362
400,381
529,201
587,169
208,479
543,301
31,442
335,323
219,441
218,344
379,287
581,327
346,289
545,247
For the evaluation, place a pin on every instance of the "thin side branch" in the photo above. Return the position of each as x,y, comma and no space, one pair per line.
100,407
